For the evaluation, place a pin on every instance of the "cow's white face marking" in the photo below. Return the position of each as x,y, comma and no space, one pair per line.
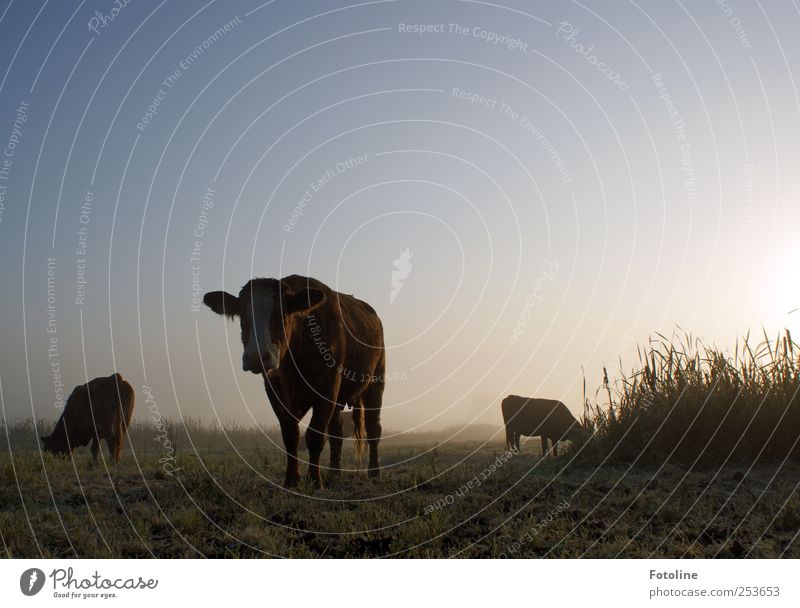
260,351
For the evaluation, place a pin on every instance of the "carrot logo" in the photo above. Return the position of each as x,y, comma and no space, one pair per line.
402,269
31,581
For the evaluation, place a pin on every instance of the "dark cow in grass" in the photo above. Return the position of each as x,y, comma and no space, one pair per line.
545,418
316,349
100,409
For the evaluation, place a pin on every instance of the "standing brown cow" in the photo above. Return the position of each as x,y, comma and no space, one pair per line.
100,409
547,418
316,349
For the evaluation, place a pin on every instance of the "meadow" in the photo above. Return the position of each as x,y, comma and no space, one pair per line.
692,454
459,500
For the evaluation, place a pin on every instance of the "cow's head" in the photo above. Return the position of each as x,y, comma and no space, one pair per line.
55,444
264,308
578,432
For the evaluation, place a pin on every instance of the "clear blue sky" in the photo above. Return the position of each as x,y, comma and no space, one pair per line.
568,178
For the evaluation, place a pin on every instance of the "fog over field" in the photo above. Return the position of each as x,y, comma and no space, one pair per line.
524,192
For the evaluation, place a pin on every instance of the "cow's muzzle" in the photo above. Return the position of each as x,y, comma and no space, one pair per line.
261,362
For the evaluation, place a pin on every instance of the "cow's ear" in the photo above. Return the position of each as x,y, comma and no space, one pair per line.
304,301
222,303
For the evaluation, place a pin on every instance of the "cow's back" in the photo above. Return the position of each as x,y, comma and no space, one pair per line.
361,322
343,325
529,416
127,400
101,403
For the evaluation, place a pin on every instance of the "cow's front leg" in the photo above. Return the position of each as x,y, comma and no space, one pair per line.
335,435
315,438
289,414
290,431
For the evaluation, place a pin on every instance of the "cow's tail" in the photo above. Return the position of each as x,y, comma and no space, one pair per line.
509,431
127,398
129,402
359,433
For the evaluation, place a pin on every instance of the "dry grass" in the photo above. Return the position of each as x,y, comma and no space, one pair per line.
694,454
693,404
426,504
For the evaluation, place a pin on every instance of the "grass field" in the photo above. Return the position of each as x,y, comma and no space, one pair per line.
694,454
465,500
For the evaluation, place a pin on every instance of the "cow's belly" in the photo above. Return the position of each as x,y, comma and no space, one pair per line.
531,430
351,390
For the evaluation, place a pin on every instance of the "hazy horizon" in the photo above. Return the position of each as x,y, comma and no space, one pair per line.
541,214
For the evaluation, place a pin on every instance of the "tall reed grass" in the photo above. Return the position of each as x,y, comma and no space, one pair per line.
690,403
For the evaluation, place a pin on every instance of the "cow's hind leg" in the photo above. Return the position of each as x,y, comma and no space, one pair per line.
335,435
372,400
315,438
114,446
121,435
95,448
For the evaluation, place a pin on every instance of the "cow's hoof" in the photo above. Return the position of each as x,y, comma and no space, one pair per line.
291,480
375,473
315,482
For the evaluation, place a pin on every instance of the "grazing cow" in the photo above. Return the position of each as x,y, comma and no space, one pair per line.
100,409
316,349
547,418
